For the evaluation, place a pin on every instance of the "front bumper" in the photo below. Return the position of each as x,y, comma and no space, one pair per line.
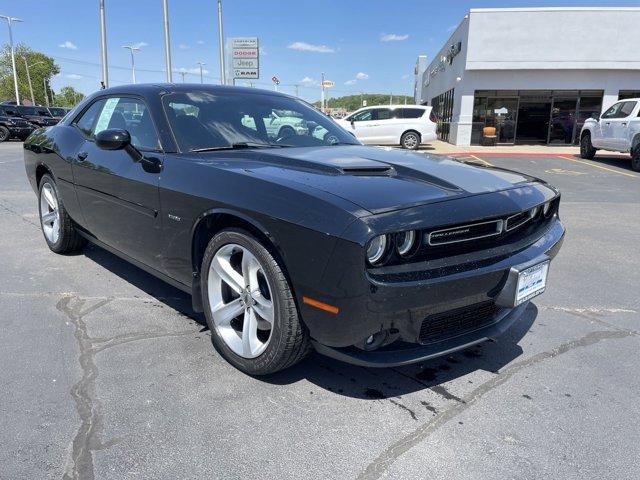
403,306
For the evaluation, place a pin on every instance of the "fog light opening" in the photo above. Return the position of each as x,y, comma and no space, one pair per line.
375,341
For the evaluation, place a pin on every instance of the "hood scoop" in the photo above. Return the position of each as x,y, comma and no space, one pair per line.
369,170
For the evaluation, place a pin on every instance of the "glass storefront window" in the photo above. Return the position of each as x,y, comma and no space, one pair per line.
563,120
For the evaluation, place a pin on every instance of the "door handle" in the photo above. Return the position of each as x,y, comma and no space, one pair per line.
607,123
82,156
624,124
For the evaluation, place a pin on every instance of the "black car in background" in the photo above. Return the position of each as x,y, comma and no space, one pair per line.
296,240
12,125
58,112
37,115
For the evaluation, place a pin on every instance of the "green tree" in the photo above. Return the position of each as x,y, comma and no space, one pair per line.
67,97
354,102
41,69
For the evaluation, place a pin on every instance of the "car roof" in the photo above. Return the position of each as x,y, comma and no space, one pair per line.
423,107
163,88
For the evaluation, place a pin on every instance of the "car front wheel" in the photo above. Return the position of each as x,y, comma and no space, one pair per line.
4,133
586,148
635,158
410,140
249,305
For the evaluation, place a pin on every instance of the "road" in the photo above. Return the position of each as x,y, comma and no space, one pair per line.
107,373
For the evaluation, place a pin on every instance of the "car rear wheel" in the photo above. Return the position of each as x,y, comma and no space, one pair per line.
4,134
57,226
586,148
249,305
635,158
410,140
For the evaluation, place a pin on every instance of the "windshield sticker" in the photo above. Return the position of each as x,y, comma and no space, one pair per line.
105,115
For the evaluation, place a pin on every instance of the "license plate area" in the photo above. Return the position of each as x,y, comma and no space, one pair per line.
531,282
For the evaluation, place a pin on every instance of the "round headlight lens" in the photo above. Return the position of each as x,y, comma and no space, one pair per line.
376,249
405,242
545,209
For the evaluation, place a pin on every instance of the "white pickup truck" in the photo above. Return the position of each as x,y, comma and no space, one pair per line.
617,129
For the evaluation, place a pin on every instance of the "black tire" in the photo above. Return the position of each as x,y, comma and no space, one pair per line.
289,342
410,140
586,148
635,158
69,240
4,134
286,132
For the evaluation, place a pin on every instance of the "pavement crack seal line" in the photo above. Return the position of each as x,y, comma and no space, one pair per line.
87,438
382,463
17,214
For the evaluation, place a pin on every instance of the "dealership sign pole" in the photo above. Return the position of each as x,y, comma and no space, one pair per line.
245,58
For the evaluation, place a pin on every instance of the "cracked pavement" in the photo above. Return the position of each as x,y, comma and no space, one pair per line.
106,373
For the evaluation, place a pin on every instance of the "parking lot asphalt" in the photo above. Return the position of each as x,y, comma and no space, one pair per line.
106,372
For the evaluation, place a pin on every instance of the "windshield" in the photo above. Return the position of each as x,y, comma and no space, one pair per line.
32,111
204,120
58,112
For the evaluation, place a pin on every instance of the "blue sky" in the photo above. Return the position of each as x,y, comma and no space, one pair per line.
363,46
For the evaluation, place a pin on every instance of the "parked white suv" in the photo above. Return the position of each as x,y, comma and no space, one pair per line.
404,125
617,129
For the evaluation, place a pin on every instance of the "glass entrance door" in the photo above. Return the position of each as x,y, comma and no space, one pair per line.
563,119
533,120
501,113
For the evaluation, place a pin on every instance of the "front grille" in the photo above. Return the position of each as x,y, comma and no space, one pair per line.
464,233
441,326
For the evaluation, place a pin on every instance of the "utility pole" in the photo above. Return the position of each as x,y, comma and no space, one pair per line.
223,75
26,66
391,99
132,49
297,86
103,47
361,99
10,20
322,93
167,41
183,73
201,64
46,96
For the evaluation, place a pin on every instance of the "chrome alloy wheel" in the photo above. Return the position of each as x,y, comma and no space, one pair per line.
49,214
410,141
240,300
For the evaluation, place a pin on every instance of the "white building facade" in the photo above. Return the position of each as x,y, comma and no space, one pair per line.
535,74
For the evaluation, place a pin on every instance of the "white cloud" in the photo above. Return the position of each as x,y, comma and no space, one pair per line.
309,82
140,44
362,76
200,42
183,46
350,82
74,76
393,37
405,76
192,71
69,45
308,47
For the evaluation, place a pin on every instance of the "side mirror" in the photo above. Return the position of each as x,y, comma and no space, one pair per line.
113,139
352,121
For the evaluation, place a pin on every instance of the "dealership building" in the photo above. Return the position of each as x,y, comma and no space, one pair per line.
535,74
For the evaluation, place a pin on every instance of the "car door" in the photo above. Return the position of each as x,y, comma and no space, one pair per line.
385,128
119,194
361,125
620,126
603,136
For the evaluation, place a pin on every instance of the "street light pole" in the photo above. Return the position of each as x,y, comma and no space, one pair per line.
322,93
167,41
46,95
183,73
201,65
223,76
26,66
132,49
103,47
13,55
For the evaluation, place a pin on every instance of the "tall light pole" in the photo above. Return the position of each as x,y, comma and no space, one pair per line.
183,73
132,48
103,47
201,64
46,95
167,41
223,75
10,20
322,93
26,66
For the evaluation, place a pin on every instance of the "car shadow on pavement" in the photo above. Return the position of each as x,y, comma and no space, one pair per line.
160,290
620,161
380,383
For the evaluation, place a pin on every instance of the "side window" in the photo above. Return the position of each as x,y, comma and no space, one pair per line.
362,116
410,113
613,111
132,115
88,119
626,109
382,114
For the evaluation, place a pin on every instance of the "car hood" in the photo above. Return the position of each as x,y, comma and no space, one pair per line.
375,179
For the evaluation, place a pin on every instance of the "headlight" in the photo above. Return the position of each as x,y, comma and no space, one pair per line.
405,242
533,213
546,208
376,249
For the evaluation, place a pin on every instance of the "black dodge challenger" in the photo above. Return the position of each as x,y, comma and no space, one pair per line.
287,232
